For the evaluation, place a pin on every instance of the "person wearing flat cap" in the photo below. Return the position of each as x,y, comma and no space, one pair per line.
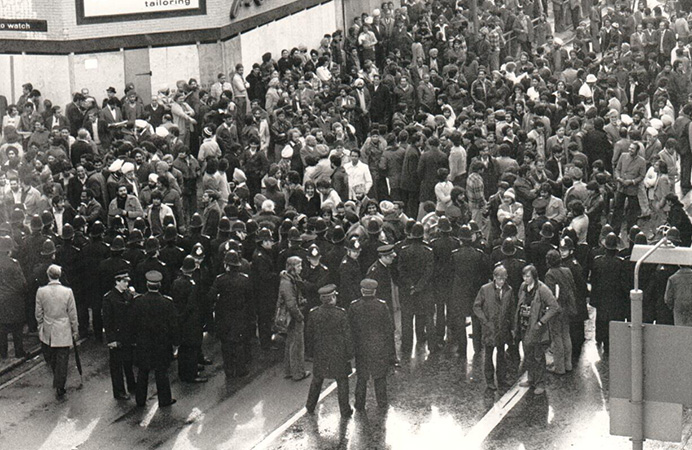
372,329
328,342
231,297
156,334
117,321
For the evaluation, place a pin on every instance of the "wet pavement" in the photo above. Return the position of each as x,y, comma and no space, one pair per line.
442,403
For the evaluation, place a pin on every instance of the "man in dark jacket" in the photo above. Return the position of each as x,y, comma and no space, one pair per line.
231,296
349,273
117,321
265,283
443,276
328,342
91,257
186,296
415,268
410,183
373,340
471,270
428,164
576,326
12,294
494,308
382,272
155,328
152,262
608,291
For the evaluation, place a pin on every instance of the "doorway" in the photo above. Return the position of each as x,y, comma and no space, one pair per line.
138,71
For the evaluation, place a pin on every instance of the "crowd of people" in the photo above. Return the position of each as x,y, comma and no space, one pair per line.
410,170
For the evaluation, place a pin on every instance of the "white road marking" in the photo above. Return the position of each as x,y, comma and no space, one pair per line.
150,415
476,435
271,437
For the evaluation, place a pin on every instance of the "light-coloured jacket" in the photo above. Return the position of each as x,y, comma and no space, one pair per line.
56,314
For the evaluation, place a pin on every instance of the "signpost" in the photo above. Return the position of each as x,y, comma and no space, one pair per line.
654,412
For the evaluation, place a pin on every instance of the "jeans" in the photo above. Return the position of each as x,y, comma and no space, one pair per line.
57,359
294,354
342,391
17,338
562,343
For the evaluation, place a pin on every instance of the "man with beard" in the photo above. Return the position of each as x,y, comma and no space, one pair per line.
126,206
211,215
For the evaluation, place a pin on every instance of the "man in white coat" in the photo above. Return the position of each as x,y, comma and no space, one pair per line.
56,316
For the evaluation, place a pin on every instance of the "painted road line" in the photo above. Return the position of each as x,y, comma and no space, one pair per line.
150,415
475,437
271,437
32,370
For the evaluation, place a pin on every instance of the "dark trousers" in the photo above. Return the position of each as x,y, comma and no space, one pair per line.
188,357
17,338
602,333
489,367
414,307
626,206
576,334
685,170
411,200
462,338
380,391
233,358
342,392
82,305
575,18
440,320
120,363
57,359
163,385
534,362
30,312
265,321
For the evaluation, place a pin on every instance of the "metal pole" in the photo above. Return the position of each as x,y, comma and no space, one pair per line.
637,345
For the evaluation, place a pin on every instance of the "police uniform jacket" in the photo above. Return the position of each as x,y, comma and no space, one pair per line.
172,256
152,263
442,247
231,295
156,330
264,277
350,276
471,270
328,341
608,291
373,337
118,318
12,291
415,266
185,293
383,275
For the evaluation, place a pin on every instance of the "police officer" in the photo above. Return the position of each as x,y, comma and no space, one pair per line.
315,275
231,297
171,254
608,290
68,257
443,277
155,330
382,272
186,295
265,283
373,341
134,252
328,342
117,321
152,262
471,271
415,267
539,249
336,253
576,325
115,263
350,274
294,248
